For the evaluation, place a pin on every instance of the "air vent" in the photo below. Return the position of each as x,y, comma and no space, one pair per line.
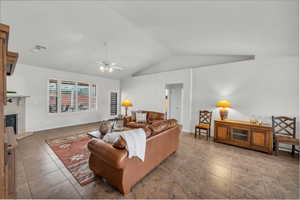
38,48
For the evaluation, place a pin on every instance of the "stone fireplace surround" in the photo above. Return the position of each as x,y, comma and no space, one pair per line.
16,104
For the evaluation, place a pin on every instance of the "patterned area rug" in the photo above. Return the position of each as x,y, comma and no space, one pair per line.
73,152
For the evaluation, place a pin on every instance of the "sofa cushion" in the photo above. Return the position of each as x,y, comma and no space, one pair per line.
152,121
136,125
162,125
159,126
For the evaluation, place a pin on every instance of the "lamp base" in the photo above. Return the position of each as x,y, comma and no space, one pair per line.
223,114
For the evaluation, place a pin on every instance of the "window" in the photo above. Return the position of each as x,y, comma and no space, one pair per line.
83,96
71,96
53,96
113,103
93,97
68,96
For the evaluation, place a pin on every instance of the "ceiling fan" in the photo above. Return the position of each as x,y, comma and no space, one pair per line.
106,65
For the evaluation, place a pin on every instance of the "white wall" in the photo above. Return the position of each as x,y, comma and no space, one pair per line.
148,92
262,87
32,81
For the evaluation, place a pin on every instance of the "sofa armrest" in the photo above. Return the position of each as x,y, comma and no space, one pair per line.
106,152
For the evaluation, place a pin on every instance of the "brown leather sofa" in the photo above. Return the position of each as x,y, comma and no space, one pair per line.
152,117
114,165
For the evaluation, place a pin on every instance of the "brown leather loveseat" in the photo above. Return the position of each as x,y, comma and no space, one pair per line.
130,121
114,165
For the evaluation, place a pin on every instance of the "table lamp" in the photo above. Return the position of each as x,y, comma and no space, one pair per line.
126,103
223,105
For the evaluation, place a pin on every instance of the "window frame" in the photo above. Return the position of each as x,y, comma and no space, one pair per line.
96,97
59,82
89,91
75,84
48,97
113,91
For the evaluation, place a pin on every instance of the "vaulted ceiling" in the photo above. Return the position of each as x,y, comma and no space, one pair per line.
149,36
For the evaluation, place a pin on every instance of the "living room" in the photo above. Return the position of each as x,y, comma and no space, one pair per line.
161,69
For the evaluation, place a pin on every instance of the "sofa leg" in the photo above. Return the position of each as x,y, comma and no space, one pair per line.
125,190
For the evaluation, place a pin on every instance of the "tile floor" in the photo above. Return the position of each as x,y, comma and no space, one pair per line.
199,169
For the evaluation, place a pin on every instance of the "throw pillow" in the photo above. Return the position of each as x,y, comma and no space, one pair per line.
120,144
141,117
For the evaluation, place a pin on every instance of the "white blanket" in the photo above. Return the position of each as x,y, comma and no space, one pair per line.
135,142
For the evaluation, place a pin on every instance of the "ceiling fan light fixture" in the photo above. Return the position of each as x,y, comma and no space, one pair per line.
102,69
107,65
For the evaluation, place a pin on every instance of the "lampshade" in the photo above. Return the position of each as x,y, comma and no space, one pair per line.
127,103
223,104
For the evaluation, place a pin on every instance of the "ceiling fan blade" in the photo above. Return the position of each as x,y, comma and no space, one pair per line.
117,68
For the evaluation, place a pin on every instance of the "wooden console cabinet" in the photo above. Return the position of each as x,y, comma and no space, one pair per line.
244,134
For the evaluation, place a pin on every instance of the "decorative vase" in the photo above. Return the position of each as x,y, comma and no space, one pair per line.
104,127
223,113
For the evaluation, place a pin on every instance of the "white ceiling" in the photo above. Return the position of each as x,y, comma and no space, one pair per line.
149,36
173,63
218,27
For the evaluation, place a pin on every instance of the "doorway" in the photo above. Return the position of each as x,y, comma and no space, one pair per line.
174,96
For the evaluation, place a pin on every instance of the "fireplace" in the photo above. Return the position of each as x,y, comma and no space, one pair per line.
15,113
11,121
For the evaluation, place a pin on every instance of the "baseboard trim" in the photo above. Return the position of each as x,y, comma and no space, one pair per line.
58,127
24,135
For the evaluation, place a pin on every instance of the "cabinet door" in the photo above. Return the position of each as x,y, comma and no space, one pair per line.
221,132
261,140
240,135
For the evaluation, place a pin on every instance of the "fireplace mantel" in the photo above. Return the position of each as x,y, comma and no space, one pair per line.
15,97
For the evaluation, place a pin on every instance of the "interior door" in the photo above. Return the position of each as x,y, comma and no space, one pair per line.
175,95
